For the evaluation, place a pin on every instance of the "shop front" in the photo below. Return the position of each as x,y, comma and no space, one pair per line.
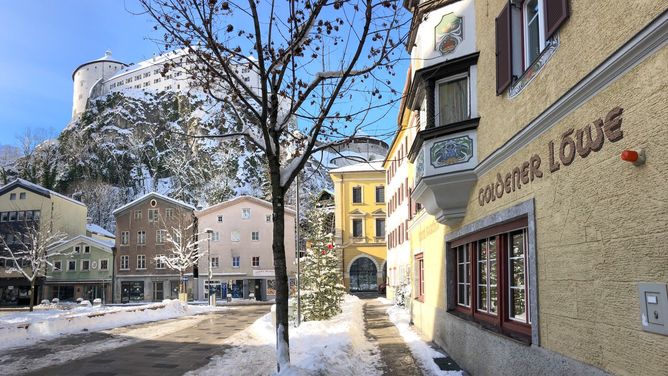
16,291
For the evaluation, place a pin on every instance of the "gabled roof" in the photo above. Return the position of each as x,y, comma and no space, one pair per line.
37,189
152,195
97,229
240,199
84,239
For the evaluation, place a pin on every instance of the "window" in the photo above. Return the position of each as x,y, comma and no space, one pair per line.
160,236
22,196
12,196
255,235
125,262
235,261
357,195
4,216
21,216
453,99
104,264
77,249
12,216
125,237
86,249
380,227
220,219
141,261
534,39
85,265
255,261
358,226
215,236
159,261
491,278
235,236
29,215
214,262
419,277
37,214
169,213
57,266
245,213
267,218
141,237
153,215
138,214
71,266
380,194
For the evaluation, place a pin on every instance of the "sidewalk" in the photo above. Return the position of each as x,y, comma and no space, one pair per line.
396,356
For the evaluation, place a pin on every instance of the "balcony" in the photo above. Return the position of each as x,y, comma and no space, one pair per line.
444,159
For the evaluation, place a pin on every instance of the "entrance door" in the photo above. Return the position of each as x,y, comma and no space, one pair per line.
258,289
173,289
363,275
158,291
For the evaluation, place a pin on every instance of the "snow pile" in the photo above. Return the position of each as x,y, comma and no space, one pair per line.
334,347
25,328
422,352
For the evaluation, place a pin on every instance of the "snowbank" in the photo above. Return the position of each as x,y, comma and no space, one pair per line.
333,347
25,328
422,352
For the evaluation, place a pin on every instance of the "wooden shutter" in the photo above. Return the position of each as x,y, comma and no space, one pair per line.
556,13
504,73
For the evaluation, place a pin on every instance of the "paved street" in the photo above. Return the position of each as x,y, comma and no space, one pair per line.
172,354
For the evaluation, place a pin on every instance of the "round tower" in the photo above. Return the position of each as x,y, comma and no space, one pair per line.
87,75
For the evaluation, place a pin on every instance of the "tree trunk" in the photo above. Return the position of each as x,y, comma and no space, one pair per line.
32,294
280,269
182,284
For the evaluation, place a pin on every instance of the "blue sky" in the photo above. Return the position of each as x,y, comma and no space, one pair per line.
41,43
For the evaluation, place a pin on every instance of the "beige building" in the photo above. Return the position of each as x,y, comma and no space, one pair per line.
241,249
24,204
540,246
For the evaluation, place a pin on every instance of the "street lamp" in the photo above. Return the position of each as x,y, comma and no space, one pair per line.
212,298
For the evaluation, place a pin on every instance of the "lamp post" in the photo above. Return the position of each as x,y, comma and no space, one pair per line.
209,232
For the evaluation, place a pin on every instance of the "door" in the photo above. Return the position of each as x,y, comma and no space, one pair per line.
258,289
363,275
158,291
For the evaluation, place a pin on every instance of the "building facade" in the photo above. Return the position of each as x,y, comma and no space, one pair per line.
83,269
359,216
538,249
142,230
26,207
240,249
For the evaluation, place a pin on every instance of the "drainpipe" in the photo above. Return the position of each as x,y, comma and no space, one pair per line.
113,273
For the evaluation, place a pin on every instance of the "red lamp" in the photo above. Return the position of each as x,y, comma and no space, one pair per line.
633,156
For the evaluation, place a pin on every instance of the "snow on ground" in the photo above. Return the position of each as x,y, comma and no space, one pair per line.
422,352
25,328
334,347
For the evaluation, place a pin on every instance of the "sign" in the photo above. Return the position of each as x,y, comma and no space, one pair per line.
580,142
448,33
263,272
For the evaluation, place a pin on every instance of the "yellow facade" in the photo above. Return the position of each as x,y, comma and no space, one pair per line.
369,245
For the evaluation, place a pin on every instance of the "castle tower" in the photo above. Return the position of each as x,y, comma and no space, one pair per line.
87,75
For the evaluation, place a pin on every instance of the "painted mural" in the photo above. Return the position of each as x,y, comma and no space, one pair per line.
451,151
449,33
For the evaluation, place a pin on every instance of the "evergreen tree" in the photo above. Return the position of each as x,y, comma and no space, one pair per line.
321,283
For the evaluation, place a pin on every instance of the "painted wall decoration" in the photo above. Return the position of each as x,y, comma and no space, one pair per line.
448,33
451,151
551,46
419,166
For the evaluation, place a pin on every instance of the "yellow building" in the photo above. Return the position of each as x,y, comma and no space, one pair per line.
539,162
359,196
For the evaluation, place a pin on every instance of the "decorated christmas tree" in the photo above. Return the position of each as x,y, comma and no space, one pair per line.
322,287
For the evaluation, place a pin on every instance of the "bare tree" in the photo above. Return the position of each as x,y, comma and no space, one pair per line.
26,250
299,76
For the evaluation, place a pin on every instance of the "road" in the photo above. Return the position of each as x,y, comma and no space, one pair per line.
165,348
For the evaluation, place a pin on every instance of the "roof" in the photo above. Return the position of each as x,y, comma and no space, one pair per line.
97,229
38,189
360,167
238,199
105,246
106,59
152,195
167,56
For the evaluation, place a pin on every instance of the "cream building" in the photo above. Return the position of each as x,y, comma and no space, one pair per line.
540,246
241,249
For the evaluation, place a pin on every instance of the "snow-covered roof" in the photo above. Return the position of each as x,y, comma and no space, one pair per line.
149,62
103,245
152,195
97,229
360,167
36,189
238,199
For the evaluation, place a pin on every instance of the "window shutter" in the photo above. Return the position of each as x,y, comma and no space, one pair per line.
503,51
556,13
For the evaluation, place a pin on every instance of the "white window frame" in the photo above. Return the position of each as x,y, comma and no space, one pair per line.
143,259
68,266
82,265
376,194
159,262
234,238
127,262
525,32
153,215
437,99
77,249
125,237
215,236
58,268
238,260
466,263
254,237
220,219
141,235
253,258
169,213
352,195
138,214
160,236
215,262
86,249
243,213
100,263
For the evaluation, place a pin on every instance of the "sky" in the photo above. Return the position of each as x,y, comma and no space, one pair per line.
42,42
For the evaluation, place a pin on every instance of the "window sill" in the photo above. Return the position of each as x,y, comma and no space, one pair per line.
534,69
506,334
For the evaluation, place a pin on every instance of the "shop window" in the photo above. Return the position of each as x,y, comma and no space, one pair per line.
153,215
29,215
12,216
380,194
125,237
141,261
21,216
255,261
4,216
125,262
358,228
452,97
357,195
245,213
141,237
491,279
419,277
380,227
235,261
